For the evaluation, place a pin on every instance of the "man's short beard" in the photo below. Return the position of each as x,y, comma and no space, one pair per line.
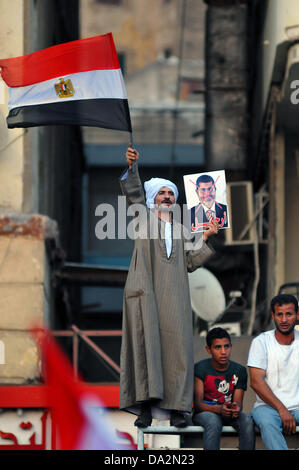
165,209
285,332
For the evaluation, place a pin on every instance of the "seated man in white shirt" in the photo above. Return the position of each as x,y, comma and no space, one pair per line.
273,363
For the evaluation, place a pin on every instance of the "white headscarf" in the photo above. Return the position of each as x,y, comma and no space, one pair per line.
153,186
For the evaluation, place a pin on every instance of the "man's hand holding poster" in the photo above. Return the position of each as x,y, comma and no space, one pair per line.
206,199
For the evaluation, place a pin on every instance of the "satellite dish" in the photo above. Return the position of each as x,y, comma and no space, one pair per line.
207,296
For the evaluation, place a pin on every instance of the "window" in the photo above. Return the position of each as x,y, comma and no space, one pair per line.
167,53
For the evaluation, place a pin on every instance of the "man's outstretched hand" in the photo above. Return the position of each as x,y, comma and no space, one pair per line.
211,229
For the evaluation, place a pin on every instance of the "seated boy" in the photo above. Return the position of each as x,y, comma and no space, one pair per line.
219,386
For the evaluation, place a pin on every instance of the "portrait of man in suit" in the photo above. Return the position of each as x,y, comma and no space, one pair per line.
207,209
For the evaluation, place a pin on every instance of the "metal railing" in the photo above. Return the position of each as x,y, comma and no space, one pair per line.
85,335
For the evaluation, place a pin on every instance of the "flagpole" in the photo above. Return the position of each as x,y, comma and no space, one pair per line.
132,145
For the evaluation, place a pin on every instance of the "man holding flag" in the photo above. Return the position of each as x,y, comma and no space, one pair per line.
80,83
77,83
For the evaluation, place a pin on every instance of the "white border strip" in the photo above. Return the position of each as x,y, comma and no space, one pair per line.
96,84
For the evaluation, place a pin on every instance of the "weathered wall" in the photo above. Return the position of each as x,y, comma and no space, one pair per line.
40,174
25,292
226,88
144,32
11,141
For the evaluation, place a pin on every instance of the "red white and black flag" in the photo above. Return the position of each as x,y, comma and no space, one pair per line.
79,82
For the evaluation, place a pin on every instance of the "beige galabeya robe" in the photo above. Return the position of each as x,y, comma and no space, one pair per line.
157,333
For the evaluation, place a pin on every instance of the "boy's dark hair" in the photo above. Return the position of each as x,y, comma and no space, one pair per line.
217,333
283,299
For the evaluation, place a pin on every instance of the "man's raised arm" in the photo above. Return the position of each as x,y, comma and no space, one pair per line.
130,182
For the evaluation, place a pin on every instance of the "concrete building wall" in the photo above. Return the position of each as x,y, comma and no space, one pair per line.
40,194
12,157
281,28
145,31
25,292
22,259
149,40
226,139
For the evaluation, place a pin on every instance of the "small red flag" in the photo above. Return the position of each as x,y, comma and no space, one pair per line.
79,416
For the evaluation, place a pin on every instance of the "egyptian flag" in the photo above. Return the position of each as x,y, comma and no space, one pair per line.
79,82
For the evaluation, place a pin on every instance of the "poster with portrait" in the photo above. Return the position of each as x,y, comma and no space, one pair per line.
206,199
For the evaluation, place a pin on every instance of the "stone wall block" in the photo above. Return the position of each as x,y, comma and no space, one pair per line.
27,242
21,306
21,260
22,360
